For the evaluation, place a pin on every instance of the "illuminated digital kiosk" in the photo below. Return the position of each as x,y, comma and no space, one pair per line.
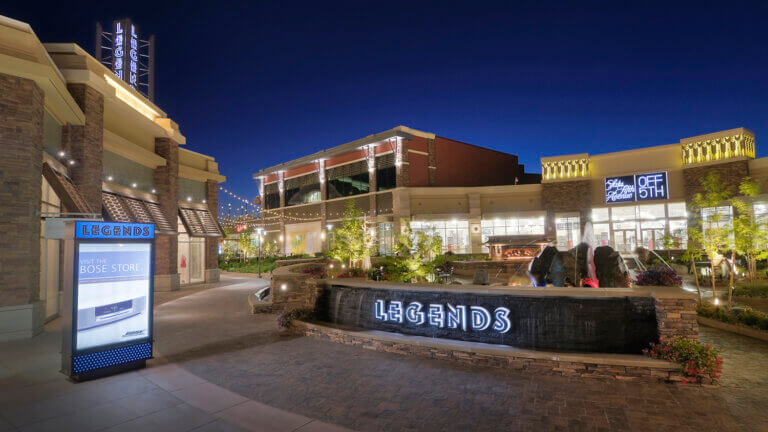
107,325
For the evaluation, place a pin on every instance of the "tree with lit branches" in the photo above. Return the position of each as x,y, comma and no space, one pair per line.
351,241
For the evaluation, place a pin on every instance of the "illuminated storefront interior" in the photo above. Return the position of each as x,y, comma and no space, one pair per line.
454,233
626,227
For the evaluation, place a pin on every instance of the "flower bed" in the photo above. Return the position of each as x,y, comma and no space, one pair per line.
699,363
659,276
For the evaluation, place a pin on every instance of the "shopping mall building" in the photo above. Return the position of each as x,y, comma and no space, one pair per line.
77,142
466,193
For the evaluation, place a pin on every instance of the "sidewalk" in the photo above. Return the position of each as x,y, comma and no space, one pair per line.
35,396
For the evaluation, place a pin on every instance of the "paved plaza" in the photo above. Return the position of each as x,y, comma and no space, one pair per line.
221,369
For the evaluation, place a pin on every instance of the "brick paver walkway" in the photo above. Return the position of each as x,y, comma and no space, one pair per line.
367,390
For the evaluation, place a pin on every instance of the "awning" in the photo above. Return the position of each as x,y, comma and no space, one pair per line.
198,221
65,190
122,208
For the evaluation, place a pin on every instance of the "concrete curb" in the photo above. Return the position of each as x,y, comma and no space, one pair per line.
738,329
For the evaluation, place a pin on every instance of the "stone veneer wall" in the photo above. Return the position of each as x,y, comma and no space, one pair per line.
676,317
21,140
85,145
212,243
566,196
167,246
502,359
301,290
731,174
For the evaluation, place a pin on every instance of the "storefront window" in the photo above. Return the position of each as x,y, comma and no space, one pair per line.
652,226
568,231
386,174
454,233
348,180
302,190
600,214
191,259
49,254
386,237
716,217
519,225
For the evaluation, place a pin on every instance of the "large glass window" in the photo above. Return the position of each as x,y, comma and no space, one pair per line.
386,237
348,180
716,217
49,254
386,174
454,233
652,226
191,258
302,190
271,196
568,231
517,225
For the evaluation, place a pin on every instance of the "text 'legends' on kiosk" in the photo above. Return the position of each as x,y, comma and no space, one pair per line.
112,296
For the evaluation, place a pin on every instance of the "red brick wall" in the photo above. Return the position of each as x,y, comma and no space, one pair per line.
166,182
21,141
85,145
462,164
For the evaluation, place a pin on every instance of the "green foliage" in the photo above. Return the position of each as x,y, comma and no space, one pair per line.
414,256
270,249
752,289
696,360
285,319
744,316
249,265
751,235
352,242
245,241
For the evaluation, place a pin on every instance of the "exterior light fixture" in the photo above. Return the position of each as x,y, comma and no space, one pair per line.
329,226
62,153
133,185
204,201
283,287
343,266
281,237
322,235
189,199
154,190
717,301
330,266
71,161
110,178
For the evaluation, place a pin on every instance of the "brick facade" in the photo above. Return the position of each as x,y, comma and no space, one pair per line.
212,243
85,144
731,174
166,184
21,139
567,196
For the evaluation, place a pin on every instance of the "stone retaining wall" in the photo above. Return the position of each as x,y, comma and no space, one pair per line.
291,288
676,317
645,370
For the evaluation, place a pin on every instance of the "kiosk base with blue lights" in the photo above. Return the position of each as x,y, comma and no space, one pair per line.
107,308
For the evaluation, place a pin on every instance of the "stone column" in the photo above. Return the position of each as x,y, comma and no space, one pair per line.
323,205
21,141
281,190
212,243
401,163
167,185
85,145
372,186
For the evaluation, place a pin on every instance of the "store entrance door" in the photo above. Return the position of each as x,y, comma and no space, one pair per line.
626,240
653,238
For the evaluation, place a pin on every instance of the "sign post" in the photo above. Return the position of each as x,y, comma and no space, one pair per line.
109,274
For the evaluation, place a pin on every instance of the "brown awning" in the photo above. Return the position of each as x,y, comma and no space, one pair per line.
121,208
66,190
198,221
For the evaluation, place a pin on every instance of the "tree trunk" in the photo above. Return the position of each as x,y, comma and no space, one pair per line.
733,268
696,277
712,273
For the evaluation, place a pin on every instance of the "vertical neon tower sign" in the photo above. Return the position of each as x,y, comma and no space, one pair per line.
128,56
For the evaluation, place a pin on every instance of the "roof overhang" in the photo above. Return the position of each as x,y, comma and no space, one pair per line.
398,132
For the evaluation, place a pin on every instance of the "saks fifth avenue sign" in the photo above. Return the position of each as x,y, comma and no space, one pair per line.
465,318
638,187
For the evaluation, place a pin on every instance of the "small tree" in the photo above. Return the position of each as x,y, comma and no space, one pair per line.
246,242
751,234
352,243
711,233
415,253
270,249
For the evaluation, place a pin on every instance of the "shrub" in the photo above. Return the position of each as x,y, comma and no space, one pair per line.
285,319
696,360
659,276
744,316
752,290
314,271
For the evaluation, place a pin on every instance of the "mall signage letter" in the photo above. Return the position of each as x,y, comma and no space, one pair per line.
638,187
465,318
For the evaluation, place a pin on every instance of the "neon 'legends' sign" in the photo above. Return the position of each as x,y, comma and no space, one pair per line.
638,187
462,317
